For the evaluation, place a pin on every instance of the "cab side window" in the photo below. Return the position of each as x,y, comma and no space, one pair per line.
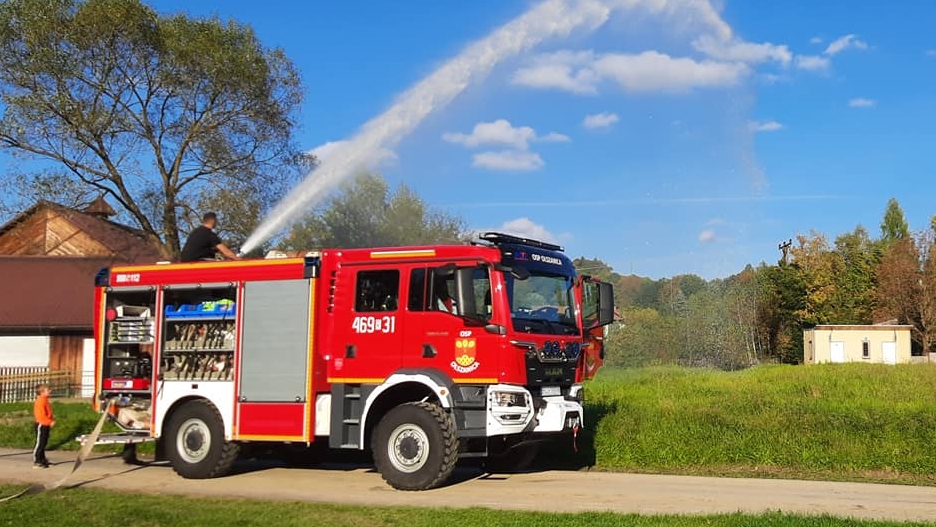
377,291
430,291
417,290
434,289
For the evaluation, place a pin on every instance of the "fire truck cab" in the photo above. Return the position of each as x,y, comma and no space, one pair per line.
422,355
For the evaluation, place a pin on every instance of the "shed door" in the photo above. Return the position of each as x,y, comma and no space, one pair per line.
837,352
890,352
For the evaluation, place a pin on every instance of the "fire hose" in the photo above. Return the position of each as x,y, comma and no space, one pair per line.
83,453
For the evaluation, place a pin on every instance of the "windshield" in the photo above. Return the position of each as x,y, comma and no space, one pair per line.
543,303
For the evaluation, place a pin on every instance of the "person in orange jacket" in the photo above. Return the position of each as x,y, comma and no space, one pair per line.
42,411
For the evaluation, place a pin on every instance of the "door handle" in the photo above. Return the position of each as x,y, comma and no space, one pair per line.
350,351
429,351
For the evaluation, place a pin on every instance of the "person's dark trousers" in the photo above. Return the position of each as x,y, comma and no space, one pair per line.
42,440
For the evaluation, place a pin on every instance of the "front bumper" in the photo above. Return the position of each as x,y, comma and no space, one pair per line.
558,414
536,415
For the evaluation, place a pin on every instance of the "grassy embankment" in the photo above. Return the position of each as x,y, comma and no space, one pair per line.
838,422
98,508
848,421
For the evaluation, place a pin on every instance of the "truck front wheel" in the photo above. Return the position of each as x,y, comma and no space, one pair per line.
195,442
415,446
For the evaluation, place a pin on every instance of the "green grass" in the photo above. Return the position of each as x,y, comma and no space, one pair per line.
72,419
96,508
849,421
829,422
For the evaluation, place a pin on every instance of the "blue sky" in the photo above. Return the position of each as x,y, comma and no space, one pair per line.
689,141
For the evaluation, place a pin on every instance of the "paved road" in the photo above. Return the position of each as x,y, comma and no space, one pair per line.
544,491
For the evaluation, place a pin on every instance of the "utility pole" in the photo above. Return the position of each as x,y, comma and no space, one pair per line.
785,249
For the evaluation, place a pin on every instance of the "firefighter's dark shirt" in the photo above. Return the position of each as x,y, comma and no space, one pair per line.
200,245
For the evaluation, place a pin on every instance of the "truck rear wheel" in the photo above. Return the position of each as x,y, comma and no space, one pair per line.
195,442
415,446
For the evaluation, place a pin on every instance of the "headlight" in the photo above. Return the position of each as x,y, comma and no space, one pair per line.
508,399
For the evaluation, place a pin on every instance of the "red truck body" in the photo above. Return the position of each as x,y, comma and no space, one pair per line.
486,342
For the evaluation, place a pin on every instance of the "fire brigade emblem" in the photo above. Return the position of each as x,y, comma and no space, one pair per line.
465,361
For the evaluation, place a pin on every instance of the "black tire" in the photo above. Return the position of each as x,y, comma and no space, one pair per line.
195,442
415,446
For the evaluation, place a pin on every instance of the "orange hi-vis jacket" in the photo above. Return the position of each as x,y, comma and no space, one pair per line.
42,410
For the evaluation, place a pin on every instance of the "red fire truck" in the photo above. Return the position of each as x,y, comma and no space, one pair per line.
423,355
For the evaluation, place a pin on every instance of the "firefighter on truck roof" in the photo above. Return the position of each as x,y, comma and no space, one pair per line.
204,244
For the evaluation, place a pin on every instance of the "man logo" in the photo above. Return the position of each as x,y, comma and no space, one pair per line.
465,361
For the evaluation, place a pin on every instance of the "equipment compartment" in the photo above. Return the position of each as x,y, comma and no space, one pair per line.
199,335
127,364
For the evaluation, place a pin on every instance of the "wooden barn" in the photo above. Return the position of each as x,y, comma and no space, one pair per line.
49,255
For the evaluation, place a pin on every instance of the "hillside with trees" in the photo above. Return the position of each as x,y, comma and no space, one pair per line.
758,315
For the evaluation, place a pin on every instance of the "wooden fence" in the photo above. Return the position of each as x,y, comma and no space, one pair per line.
18,384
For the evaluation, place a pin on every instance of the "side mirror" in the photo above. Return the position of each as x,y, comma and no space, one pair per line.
605,304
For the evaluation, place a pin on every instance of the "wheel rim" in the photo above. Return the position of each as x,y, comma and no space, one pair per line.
408,448
193,441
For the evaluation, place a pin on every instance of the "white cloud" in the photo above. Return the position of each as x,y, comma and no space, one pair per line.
501,132
771,78
382,157
650,71
509,160
555,70
554,137
765,126
811,62
847,42
707,236
600,120
527,228
740,51
861,102
815,40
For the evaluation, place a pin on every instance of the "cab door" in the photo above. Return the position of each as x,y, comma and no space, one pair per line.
449,323
369,332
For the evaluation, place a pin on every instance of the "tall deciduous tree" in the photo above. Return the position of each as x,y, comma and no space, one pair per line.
898,275
857,257
818,268
162,114
894,225
365,213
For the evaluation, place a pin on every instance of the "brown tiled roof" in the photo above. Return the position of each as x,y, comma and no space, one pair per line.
48,293
123,242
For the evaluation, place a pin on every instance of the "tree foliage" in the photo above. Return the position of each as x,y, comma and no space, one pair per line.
365,213
161,114
894,226
759,314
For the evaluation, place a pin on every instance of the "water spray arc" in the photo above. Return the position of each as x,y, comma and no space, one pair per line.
550,19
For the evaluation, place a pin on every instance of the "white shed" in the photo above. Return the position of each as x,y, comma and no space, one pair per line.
883,344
